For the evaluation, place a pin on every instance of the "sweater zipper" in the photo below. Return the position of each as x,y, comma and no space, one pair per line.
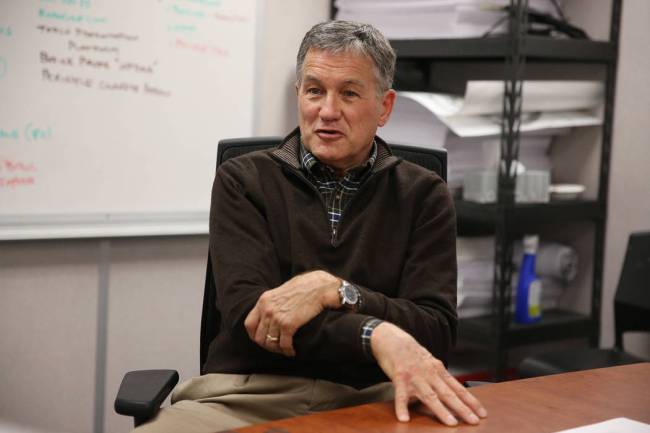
347,205
334,232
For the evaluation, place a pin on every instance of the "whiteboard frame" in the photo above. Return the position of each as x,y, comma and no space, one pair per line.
114,225
64,226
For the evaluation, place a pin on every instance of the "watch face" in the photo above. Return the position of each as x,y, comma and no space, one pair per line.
351,295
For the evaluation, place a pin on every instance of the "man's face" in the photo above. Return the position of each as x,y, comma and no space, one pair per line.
339,109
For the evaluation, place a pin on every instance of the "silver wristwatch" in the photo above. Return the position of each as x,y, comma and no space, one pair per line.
349,296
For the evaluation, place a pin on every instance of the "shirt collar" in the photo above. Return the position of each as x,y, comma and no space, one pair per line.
310,164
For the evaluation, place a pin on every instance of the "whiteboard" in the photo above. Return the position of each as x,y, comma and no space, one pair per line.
111,110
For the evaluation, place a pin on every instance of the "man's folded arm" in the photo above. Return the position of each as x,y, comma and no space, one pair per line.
245,264
244,260
425,305
244,247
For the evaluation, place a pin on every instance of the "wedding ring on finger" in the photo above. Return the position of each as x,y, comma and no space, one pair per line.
271,338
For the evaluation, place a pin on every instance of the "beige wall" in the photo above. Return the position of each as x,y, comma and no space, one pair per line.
286,22
47,333
629,195
49,289
629,186
49,306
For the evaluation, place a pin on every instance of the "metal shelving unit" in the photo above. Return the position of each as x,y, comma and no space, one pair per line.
557,325
472,213
497,48
505,218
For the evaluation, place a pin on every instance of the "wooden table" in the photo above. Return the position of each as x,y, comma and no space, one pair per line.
539,405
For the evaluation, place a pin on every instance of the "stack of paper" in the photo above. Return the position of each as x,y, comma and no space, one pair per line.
476,273
469,126
431,19
413,123
476,300
546,104
473,154
615,425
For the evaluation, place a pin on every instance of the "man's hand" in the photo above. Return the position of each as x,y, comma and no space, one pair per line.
416,374
280,312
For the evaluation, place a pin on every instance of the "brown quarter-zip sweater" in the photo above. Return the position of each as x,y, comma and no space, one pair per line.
396,242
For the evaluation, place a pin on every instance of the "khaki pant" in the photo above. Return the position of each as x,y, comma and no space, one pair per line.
215,402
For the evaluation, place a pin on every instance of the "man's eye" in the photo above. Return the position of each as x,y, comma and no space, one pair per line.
313,91
350,94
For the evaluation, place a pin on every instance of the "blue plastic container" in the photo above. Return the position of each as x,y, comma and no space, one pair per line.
528,308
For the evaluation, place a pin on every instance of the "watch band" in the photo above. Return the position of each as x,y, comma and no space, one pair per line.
366,332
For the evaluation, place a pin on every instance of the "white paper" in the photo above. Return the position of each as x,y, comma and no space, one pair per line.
411,123
430,19
486,97
475,257
474,119
478,126
545,105
616,425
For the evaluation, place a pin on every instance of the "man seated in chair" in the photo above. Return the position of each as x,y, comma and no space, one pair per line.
335,261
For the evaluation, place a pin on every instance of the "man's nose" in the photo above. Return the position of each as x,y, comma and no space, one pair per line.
331,108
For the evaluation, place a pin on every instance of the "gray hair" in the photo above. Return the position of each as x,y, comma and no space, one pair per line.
348,36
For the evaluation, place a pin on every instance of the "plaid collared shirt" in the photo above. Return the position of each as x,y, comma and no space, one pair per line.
336,192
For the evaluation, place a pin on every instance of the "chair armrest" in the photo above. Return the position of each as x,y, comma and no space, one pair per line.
142,392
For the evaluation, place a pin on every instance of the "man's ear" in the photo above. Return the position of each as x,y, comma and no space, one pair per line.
387,102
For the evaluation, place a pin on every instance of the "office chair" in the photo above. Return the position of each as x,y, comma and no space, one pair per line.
631,313
142,392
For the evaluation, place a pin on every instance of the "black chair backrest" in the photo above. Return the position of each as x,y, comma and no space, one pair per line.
632,299
431,159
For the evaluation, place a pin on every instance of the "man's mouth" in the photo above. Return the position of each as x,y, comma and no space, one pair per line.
329,133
